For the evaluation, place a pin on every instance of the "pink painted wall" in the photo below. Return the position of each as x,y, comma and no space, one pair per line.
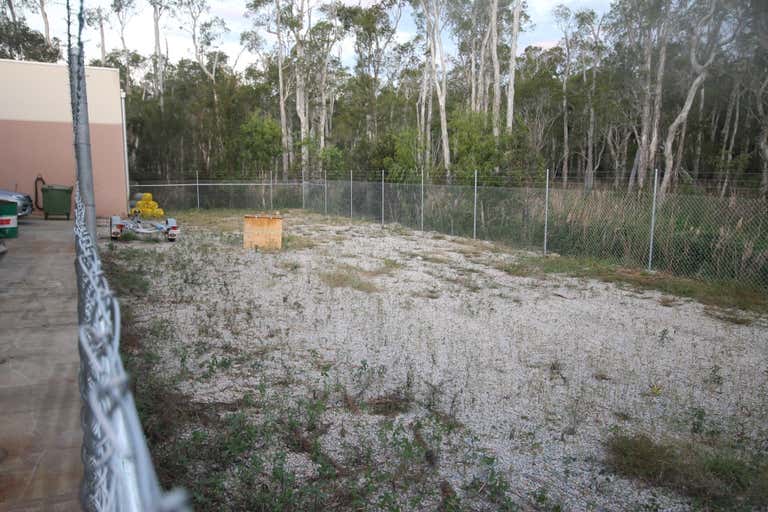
29,148
36,131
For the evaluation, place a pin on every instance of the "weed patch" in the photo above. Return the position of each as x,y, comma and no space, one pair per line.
347,279
718,478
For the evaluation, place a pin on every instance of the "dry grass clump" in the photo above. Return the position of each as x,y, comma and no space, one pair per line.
348,279
390,404
717,478
297,242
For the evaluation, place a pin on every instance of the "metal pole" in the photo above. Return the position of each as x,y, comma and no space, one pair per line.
302,188
422,198
82,136
546,212
350,193
382,198
325,191
125,151
653,218
474,214
271,186
197,187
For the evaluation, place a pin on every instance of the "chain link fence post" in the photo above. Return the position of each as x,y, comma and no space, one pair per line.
474,211
82,134
271,186
197,187
325,190
422,198
546,211
653,218
350,193
382,198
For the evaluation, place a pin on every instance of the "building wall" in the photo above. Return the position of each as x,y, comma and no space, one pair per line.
36,135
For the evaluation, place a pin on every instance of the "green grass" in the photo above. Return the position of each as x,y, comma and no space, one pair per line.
713,293
716,478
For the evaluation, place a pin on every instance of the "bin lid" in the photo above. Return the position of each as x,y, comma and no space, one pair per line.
56,187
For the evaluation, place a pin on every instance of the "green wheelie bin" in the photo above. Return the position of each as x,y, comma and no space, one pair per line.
57,200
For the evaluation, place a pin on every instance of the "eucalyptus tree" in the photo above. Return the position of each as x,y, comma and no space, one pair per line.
565,21
268,15
96,17
124,11
322,39
517,10
159,8
434,12
591,25
374,28
711,28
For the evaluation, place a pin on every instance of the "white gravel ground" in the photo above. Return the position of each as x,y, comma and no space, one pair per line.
538,371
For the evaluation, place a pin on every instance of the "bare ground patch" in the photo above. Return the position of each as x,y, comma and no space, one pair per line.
469,377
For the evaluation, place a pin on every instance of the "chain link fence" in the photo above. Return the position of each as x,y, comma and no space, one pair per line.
118,474
694,235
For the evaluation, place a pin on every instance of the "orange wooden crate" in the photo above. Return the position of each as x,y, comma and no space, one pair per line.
263,232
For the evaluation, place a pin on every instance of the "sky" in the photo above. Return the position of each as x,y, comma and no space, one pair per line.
139,33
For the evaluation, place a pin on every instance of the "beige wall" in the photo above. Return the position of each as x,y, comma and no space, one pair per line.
36,130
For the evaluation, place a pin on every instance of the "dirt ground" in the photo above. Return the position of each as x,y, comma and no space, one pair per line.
412,368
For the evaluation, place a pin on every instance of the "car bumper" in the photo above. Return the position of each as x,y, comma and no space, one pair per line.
23,209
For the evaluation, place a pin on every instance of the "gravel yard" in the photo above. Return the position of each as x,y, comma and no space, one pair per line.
378,368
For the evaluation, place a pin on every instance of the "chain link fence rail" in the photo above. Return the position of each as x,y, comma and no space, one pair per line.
687,234
118,474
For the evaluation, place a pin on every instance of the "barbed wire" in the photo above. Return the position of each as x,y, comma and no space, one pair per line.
118,474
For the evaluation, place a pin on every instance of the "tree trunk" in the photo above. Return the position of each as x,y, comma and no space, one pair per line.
645,120
158,63
669,158
699,137
301,108
281,87
103,41
566,148
47,27
12,10
472,77
494,27
729,153
658,95
440,83
482,96
518,6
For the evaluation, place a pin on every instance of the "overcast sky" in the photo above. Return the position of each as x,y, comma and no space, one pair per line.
139,34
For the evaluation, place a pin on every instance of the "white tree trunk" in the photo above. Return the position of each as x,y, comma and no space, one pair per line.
645,119
281,93
103,41
517,8
494,42
658,95
699,137
669,155
566,143
158,64
47,27
434,31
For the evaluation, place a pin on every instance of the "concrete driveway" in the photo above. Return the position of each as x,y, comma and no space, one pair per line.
40,433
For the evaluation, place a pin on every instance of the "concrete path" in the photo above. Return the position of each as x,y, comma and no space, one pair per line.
40,434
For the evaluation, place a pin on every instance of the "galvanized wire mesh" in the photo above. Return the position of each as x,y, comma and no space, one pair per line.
700,236
118,471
